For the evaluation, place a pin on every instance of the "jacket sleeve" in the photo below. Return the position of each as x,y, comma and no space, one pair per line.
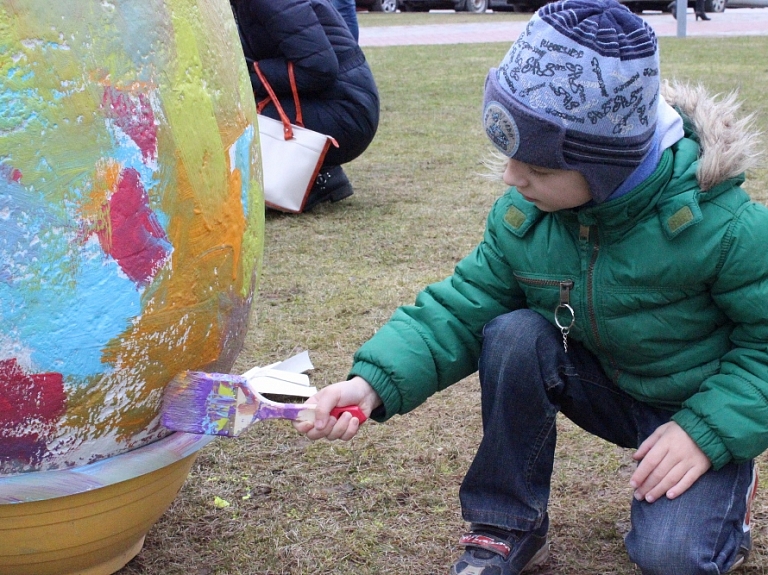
728,416
295,30
436,342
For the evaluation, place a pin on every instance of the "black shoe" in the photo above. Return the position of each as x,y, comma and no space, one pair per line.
672,7
331,185
494,551
702,15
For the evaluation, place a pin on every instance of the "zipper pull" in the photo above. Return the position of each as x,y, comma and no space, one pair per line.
564,308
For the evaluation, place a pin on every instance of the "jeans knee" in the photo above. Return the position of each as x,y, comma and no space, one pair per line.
519,347
517,332
668,554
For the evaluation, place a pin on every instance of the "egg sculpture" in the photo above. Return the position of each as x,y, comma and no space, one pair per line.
131,218
131,231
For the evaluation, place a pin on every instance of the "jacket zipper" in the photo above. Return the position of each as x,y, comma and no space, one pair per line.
584,233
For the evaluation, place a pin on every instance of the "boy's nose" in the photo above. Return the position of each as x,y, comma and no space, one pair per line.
514,175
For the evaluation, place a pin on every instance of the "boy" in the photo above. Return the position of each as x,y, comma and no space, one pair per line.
618,282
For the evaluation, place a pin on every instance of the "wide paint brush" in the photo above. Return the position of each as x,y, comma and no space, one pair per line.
224,404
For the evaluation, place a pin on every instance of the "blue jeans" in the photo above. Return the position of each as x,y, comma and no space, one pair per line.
526,378
348,11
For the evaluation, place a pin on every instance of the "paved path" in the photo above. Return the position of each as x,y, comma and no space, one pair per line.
734,22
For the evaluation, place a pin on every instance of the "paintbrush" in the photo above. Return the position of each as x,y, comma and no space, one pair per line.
224,404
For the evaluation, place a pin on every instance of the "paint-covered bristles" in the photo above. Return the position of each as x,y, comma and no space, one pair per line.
198,402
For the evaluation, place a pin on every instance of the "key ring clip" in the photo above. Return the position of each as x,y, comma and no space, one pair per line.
565,328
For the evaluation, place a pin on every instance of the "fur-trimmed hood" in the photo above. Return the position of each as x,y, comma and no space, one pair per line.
730,145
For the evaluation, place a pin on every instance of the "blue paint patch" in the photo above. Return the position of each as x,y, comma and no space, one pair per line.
17,108
144,36
66,301
24,223
243,163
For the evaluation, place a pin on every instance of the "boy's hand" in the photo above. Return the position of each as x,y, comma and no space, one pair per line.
356,391
671,463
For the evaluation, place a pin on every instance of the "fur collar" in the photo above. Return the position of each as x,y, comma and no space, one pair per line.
729,145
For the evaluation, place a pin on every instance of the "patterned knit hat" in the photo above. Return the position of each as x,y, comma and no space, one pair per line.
578,90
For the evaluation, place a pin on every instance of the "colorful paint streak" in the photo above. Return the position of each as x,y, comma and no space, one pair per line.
131,216
134,116
30,404
133,236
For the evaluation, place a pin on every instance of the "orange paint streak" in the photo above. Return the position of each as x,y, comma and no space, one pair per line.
95,210
182,325
234,220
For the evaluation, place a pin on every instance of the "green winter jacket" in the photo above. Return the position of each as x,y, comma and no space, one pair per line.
669,285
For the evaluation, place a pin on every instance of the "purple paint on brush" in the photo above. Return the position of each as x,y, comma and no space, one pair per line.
198,402
279,411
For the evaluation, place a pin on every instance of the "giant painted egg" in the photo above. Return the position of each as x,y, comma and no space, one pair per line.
131,217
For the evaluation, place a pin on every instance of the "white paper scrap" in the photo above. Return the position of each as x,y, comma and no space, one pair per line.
299,363
283,378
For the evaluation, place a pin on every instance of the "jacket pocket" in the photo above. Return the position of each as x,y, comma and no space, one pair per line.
551,296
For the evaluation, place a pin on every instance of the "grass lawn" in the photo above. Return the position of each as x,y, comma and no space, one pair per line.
387,502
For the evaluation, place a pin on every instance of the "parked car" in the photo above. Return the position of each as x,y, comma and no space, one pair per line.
525,5
377,5
477,6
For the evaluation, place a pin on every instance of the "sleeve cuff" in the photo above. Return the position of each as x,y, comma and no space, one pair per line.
707,440
383,386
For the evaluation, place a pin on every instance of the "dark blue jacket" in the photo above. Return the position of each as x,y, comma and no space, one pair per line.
336,87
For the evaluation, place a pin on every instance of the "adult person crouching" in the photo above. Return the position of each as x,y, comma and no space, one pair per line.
336,87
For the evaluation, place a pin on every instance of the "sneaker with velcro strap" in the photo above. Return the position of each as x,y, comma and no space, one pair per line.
493,551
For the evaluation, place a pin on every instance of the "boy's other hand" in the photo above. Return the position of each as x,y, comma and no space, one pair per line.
670,462
355,391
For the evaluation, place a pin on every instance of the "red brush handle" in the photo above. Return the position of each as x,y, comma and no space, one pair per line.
353,410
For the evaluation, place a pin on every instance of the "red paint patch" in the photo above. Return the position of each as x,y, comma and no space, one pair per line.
134,236
10,174
133,114
30,405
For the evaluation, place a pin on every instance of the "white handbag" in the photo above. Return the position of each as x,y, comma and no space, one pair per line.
291,155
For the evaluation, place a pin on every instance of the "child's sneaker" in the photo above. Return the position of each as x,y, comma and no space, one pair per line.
742,555
746,545
494,551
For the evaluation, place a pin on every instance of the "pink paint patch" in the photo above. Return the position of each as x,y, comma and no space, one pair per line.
30,405
134,237
133,115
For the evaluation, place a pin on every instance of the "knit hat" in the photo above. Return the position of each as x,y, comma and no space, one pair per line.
578,90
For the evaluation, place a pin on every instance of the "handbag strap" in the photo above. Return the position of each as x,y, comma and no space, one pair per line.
296,103
272,97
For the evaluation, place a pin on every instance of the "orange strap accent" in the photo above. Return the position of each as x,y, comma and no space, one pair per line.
287,128
292,78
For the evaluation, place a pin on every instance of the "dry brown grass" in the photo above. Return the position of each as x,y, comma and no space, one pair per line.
387,502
